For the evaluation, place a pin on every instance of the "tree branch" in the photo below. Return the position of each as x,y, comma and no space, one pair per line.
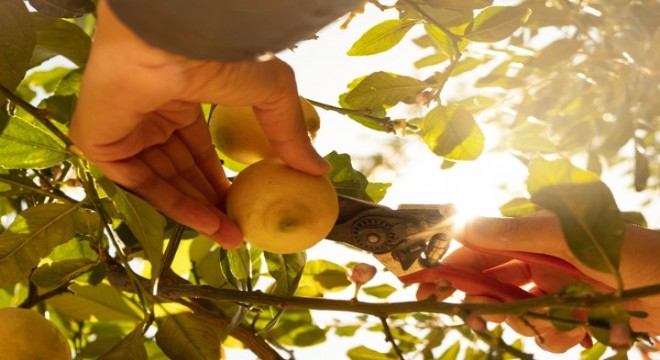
40,114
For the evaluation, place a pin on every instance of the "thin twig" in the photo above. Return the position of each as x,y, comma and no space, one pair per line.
387,124
390,338
168,256
35,189
504,346
31,300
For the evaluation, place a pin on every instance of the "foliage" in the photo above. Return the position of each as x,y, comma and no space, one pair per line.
575,82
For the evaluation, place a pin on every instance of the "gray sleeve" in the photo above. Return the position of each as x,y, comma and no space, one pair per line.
227,30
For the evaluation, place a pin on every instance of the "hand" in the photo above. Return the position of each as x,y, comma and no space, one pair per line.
530,250
139,120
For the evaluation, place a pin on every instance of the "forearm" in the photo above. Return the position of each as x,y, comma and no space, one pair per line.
227,30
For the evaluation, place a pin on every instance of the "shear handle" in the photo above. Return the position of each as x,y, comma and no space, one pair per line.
469,281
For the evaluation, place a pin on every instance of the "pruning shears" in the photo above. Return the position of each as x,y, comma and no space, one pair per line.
411,240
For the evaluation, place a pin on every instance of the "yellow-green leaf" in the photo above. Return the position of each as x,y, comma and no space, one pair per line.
130,347
380,291
383,89
25,145
364,353
496,23
320,277
101,301
286,269
185,337
518,207
61,272
31,236
451,132
381,37
146,224
591,221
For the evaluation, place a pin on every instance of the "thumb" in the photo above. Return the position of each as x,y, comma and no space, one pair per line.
284,126
535,239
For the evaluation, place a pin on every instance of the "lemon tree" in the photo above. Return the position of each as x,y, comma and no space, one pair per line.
571,87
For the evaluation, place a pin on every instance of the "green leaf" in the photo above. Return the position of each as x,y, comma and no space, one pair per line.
304,335
144,221
518,207
430,60
364,353
61,272
73,249
348,330
443,41
379,291
16,183
477,103
286,269
102,302
595,353
130,347
63,8
46,80
381,37
239,263
226,271
31,236
350,182
591,222
377,191
18,40
59,37
451,353
451,132
61,108
320,277
205,256
185,337
26,145
496,23
465,65
642,170
383,89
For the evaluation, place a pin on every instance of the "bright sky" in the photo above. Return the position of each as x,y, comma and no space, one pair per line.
476,188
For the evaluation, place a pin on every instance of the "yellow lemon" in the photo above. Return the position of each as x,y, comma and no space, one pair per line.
280,209
237,134
27,335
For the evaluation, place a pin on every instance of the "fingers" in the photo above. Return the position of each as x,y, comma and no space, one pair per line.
534,234
140,178
468,281
197,142
270,88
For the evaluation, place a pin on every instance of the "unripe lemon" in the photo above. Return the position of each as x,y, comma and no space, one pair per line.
27,335
280,209
236,132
